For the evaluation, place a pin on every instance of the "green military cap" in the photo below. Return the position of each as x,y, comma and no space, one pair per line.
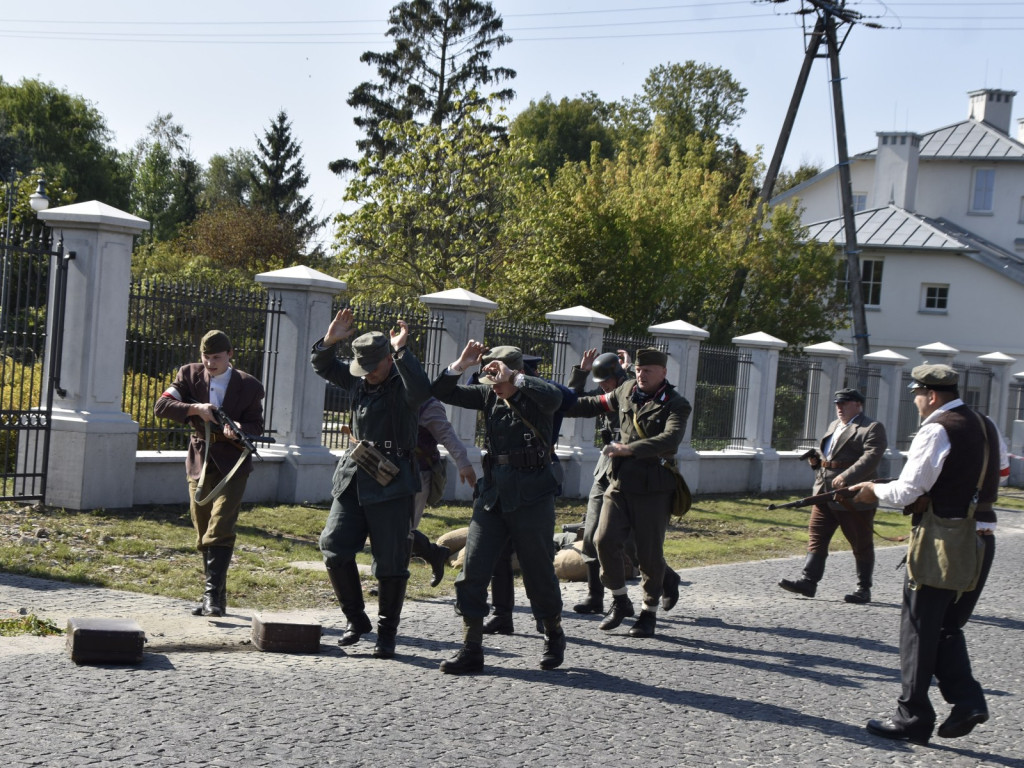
368,350
214,342
651,356
942,378
510,356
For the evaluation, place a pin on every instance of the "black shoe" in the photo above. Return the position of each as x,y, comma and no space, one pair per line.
961,723
385,647
554,650
644,625
622,608
888,729
592,604
670,590
499,624
438,560
356,628
468,660
861,596
804,587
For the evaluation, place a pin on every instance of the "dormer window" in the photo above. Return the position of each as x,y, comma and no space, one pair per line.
983,190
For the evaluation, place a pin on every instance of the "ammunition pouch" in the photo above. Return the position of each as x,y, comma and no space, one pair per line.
374,462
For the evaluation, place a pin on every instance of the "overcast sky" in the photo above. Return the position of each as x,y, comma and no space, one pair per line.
224,68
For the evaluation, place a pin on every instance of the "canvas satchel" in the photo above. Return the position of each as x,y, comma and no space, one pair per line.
947,553
682,499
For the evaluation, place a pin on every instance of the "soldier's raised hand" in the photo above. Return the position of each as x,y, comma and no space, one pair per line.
470,356
401,337
588,359
340,327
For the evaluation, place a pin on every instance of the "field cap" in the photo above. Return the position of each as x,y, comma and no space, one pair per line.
368,350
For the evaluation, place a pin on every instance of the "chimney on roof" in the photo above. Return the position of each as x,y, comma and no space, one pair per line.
992,106
896,170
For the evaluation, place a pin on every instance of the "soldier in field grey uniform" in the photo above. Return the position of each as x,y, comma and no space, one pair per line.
387,386
515,497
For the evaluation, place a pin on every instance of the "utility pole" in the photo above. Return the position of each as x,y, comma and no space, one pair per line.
829,16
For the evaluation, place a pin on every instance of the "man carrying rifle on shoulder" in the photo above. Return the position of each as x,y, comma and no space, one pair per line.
215,399
849,453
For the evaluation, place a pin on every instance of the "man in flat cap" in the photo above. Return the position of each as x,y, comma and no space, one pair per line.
515,498
851,450
214,454
386,387
946,467
638,500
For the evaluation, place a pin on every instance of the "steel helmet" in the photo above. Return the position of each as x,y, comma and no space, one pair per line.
606,366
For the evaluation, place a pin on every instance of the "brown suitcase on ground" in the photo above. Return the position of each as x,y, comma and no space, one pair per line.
105,641
285,634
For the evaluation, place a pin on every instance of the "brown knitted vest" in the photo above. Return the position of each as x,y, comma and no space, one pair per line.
951,495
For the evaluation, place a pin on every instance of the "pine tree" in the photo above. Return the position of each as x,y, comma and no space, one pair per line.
281,178
442,53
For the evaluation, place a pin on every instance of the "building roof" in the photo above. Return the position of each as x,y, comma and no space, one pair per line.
894,228
970,139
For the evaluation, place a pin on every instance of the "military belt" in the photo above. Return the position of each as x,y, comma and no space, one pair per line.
836,464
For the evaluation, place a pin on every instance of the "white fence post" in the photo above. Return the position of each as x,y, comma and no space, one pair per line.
92,440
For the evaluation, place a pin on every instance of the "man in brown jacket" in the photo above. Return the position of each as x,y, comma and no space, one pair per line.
849,453
216,470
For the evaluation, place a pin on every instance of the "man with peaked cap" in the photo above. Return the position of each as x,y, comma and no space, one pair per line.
386,387
850,452
946,468
608,373
214,455
652,419
515,498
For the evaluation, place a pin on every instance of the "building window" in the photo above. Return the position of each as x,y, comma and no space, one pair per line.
860,201
871,281
934,298
983,190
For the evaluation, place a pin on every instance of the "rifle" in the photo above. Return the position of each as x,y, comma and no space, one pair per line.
247,441
838,495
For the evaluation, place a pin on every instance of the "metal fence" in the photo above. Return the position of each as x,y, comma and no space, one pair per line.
720,402
424,341
26,395
1015,405
796,402
613,342
867,381
166,322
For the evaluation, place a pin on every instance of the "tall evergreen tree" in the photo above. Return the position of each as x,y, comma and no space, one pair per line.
281,178
442,52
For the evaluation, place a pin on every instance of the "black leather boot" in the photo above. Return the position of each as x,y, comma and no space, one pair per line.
644,625
435,555
670,589
215,600
499,624
595,589
470,657
392,597
554,644
198,610
349,591
622,608
865,573
807,585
